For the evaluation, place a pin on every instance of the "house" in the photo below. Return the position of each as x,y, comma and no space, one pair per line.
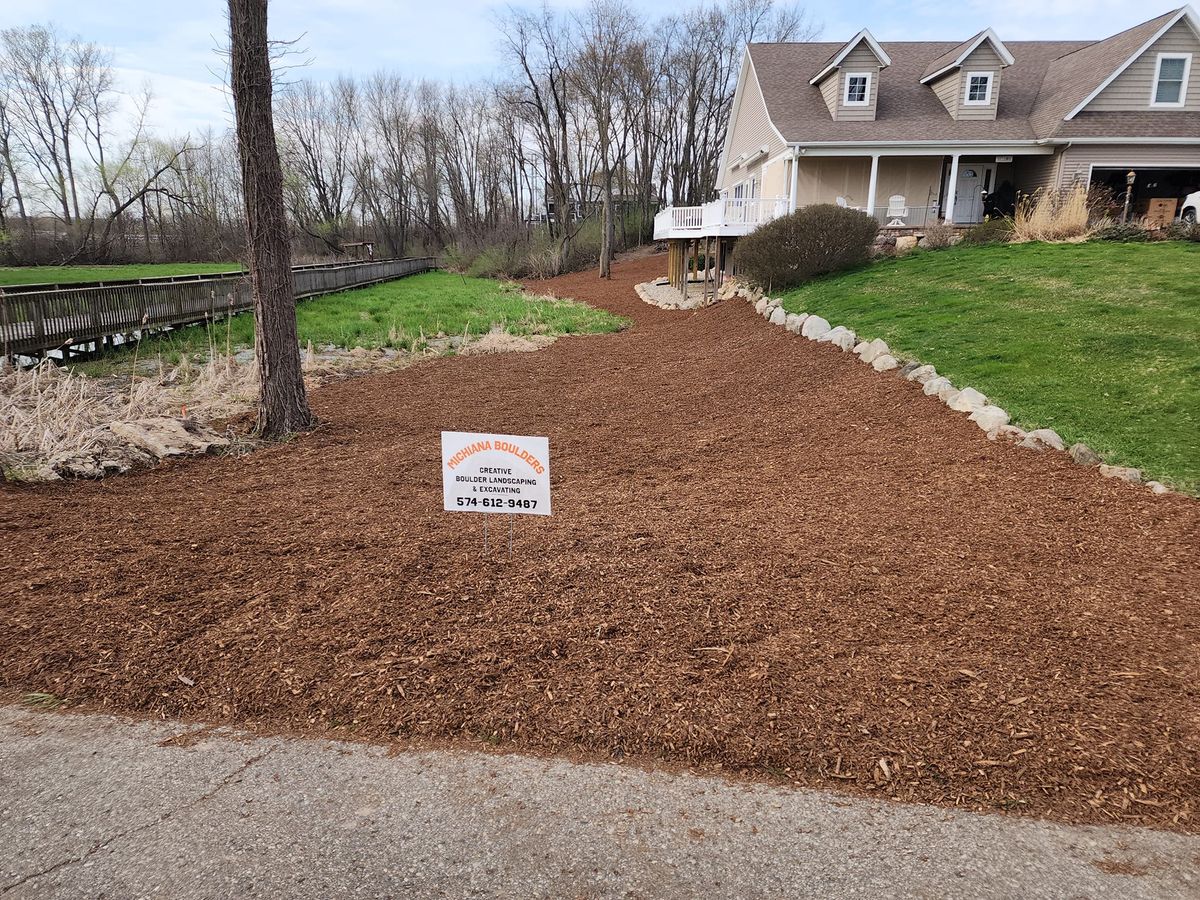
924,132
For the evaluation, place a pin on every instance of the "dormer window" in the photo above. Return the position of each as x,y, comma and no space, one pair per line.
1170,79
858,89
979,89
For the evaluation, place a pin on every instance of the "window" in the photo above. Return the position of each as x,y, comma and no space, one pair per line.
858,89
979,89
1171,79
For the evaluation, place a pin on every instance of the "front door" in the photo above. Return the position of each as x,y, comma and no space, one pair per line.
974,181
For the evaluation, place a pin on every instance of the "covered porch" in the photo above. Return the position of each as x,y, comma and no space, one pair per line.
903,188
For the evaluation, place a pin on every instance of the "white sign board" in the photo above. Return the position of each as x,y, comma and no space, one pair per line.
495,473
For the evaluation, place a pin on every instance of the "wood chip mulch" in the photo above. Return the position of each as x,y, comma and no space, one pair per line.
764,557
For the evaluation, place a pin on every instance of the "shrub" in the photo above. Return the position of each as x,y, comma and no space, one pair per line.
1129,233
1184,231
993,231
1054,215
938,236
811,241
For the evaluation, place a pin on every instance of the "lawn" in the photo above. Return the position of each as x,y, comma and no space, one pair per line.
398,314
1099,341
75,274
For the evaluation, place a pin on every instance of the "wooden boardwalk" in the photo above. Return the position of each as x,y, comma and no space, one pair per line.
38,318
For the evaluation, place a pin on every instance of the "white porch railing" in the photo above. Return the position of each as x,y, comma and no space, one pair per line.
726,216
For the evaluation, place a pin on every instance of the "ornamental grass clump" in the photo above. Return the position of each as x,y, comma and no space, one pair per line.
1053,215
812,241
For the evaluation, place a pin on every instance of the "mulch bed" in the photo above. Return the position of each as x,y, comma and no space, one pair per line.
764,557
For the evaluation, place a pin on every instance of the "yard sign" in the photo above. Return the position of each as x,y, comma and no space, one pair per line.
495,473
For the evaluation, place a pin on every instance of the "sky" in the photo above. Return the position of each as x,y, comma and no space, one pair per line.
172,45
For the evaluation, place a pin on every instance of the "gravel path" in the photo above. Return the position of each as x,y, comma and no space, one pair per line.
95,807
764,557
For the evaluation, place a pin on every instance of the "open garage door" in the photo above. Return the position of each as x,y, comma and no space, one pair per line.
1157,192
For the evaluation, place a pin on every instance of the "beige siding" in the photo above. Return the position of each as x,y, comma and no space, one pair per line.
983,59
949,89
1131,90
1035,173
774,179
749,131
860,59
829,91
1078,160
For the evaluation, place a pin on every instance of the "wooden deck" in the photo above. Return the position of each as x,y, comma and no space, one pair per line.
38,318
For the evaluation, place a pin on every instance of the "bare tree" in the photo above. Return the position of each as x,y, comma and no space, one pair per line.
282,406
604,50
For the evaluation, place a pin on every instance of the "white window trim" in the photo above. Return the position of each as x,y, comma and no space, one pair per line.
987,99
866,101
1187,71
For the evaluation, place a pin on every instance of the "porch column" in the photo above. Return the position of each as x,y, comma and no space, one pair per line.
794,188
951,190
871,185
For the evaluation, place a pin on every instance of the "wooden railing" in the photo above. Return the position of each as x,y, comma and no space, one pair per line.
36,318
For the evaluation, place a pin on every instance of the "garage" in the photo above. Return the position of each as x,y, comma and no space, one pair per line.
1157,193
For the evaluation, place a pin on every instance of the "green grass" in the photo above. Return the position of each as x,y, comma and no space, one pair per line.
397,314
1099,341
74,274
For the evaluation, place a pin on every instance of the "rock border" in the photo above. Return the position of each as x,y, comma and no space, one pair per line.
991,419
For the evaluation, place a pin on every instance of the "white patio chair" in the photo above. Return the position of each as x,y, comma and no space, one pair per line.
897,211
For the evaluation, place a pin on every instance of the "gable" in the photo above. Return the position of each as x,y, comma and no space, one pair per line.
750,129
1132,89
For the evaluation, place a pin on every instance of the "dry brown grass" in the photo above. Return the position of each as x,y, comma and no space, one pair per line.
1053,216
48,412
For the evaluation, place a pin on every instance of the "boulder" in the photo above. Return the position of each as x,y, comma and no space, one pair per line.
760,305
1007,433
967,400
873,349
836,332
884,363
1043,439
861,346
794,321
907,368
842,338
1125,473
1157,487
814,327
163,436
778,316
989,417
1085,455
69,465
775,303
906,243
922,374
934,386
947,393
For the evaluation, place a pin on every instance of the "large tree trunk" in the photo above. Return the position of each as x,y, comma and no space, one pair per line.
282,405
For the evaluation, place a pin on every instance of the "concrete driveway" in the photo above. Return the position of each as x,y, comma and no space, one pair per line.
93,806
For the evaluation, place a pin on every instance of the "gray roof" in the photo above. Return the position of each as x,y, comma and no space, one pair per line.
950,55
1031,106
